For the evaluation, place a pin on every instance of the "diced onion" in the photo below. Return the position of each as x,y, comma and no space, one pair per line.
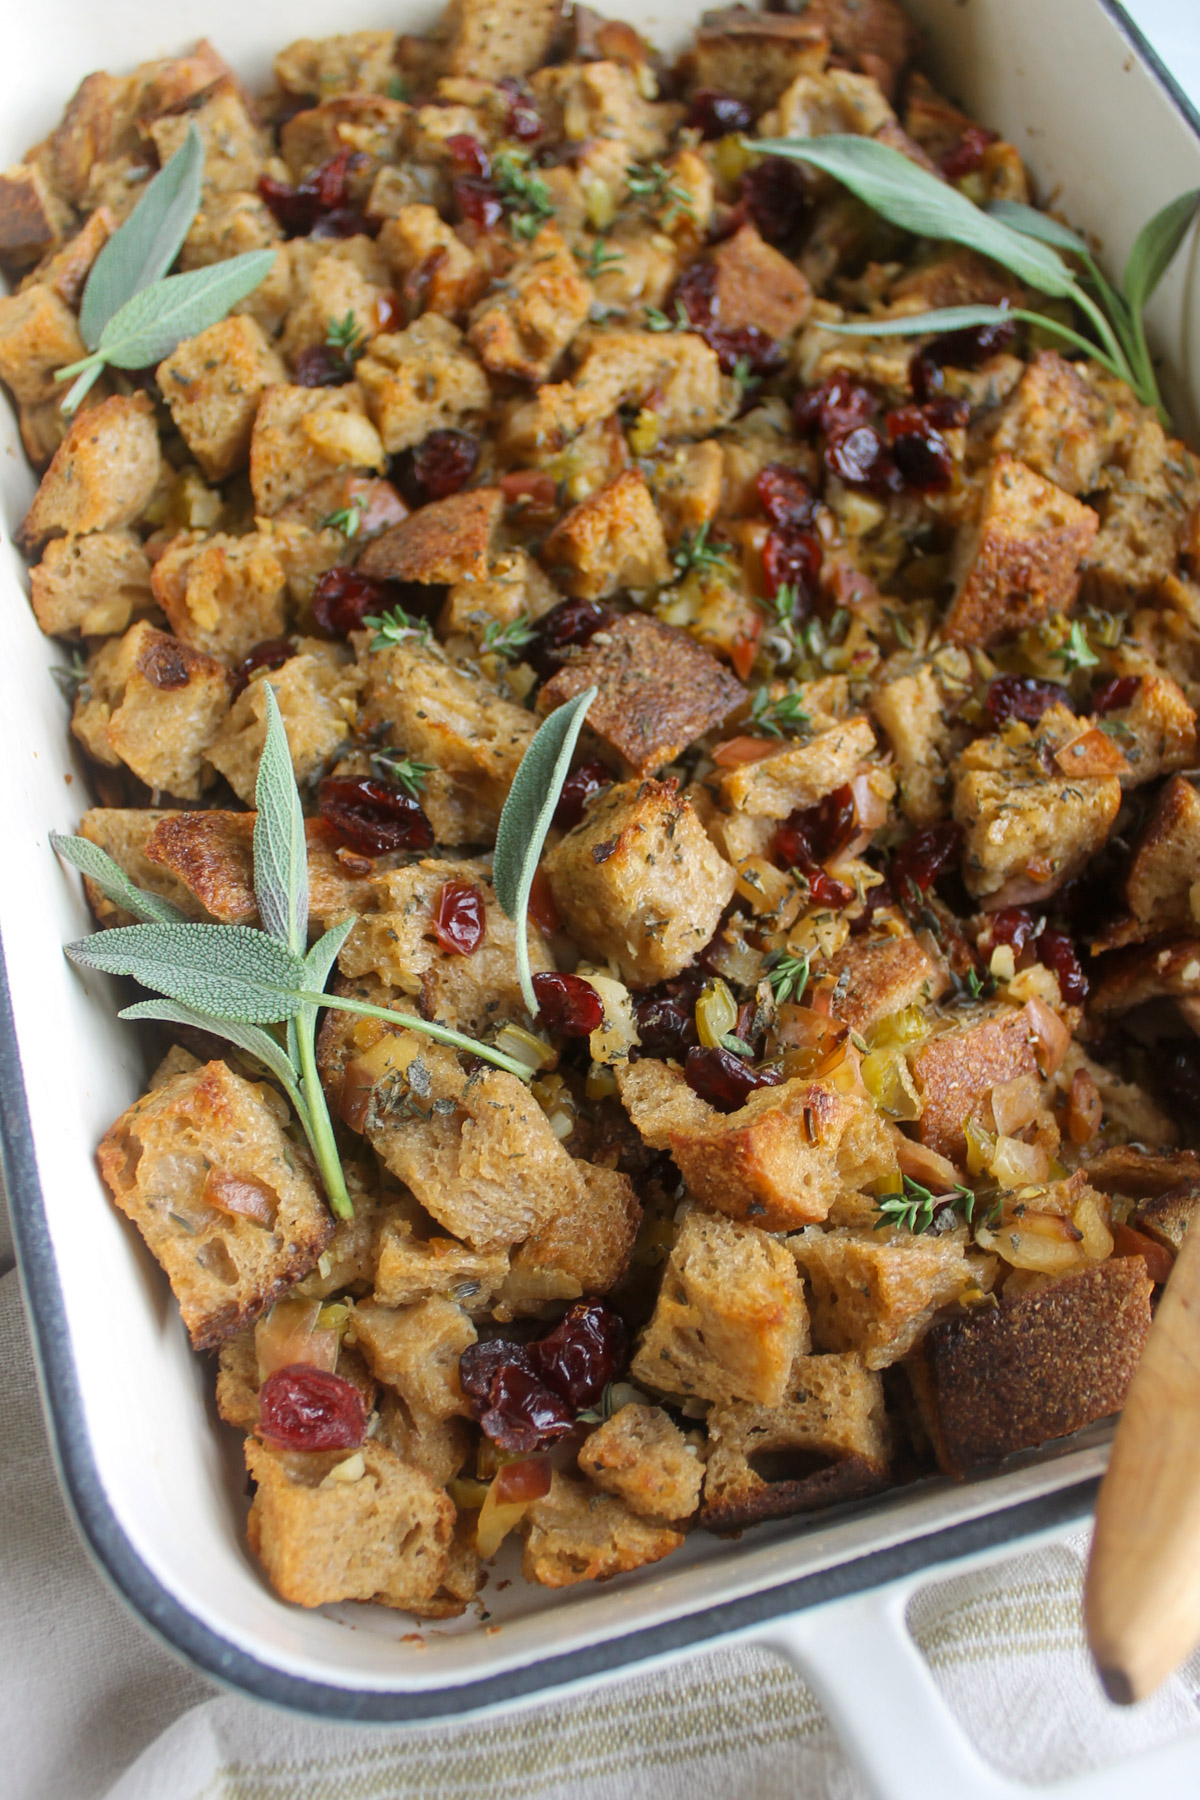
1085,1109
1014,1103
929,1167
1015,1164
870,808
736,751
716,1014
289,1334
1054,1040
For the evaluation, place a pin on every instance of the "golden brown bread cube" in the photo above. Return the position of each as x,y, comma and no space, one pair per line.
730,1317
659,691
1165,871
756,285
637,880
1129,978
154,704
910,711
1167,1217
445,541
33,218
1157,730
179,1163
102,474
954,1070
65,271
438,1447
235,145
124,832
586,1247
491,38
686,485
744,802
411,1267
753,55
355,62
421,380
222,594
642,1457
1022,559
317,694
230,225
375,125
38,334
873,977
612,540
211,853
627,368
1064,421
212,384
826,1441
416,1350
433,264
525,325
875,1292
301,435
1043,1363
514,588
90,586
1151,491
336,293
577,1534
835,101
385,1536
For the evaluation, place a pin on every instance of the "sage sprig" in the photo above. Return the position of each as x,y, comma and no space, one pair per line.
525,820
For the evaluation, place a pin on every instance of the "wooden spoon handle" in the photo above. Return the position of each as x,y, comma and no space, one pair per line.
1142,1598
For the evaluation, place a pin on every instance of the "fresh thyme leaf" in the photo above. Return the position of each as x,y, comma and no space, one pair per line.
657,187
144,247
342,337
915,1209
70,677
396,627
397,89
112,880
779,717
599,259
788,976
509,640
347,519
406,771
695,552
655,319
1077,653
744,375
526,817
525,195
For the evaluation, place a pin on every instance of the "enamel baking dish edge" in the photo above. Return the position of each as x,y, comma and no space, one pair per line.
155,1483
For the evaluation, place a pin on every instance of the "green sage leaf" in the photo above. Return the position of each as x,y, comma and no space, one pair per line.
942,318
225,971
157,319
324,954
919,202
1155,248
250,1038
112,880
1032,223
280,848
146,245
526,818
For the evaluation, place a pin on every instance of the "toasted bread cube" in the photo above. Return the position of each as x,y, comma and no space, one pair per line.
514,588
756,285
421,380
873,977
373,125
744,803
783,1160
642,1457
376,504
91,586
730,1317
835,101
170,1160
1161,728
659,691
301,435
1166,862
753,56
416,1349
441,272
230,225
637,880
526,325
1148,972
492,38
1022,559
356,62
1044,1363
612,540
102,474
33,218
956,1069
212,854
1152,490
1167,1217
445,541
876,1292
316,694
1141,1174
154,704
587,1246
38,334
410,1268
686,484
910,711
1064,421
626,368
235,145
384,1537
826,1441
603,99
577,1534
222,594
337,292
65,271
212,384
98,115
438,1447
124,832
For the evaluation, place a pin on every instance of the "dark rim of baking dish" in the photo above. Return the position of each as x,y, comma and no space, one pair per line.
217,1657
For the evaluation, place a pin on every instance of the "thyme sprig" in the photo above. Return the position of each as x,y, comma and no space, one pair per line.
656,187
406,771
786,716
526,197
509,641
916,1207
347,519
396,627
696,552
788,976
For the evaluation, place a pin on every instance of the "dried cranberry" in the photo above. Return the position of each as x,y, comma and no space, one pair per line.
469,154
319,205
1115,695
510,1400
439,466
166,664
745,347
582,1354
921,859
1023,697
460,921
373,816
1057,950
478,202
714,114
319,366
791,558
963,349
305,1408
581,785
785,496
522,120
666,1015
776,198
923,459
966,156
1013,925
342,599
568,1004
836,406
725,1080
272,653
946,414
571,622
696,292
860,458
811,835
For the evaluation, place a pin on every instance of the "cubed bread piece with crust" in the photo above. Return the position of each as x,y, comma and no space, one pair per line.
385,1536
204,1169
910,711
235,145
1165,871
212,854
627,368
875,976
373,503
603,99
317,695
523,327
229,225
659,691
441,273
438,1447
124,831
410,1266
835,101
445,541
875,36
954,1071
421,380
784,1159
638,881
1141,1174
746,802
514,588
38,334
222,594
65,271
756,285
33,218
91,586
154,704
1064,421
612,540
1167,1217
1162,971
374,125
642,1457
354,62
493,38
1043,1363
730,1318
1159,730
416,1350
212,384
686,484
826,1441
1022,559
1153,486
876,1292
337,294
302,434
577,1534
753,56
102,474
588,1245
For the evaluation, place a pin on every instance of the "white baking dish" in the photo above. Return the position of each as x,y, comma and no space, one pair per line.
156,1485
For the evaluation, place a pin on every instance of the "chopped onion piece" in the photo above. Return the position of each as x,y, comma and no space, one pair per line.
1014,1103
1015,1164
870,808
1053,1038
289,1334
929,1167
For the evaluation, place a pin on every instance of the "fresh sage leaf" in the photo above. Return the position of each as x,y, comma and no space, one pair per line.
250,1038
324,953
526,817
157,319
1155,248
954,318
1032,223
145,246
280,847
224,971
112,880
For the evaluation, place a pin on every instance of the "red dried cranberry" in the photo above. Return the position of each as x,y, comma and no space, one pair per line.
1057,950
272,653
923,459
921,859
836,406
947,414
469,154
785,496
725,1080
478,202
460,921
166,665
568,1004
696,292
511,1402
342,599
582,1354
373,816
570,623
792,558
743,346
714,114
581,785
319,205
860,458
319,366
811,835
1023,697
441,465
666,1015
305,1408
967,155
1115,695
1013,925
964,349
776,198
523,120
